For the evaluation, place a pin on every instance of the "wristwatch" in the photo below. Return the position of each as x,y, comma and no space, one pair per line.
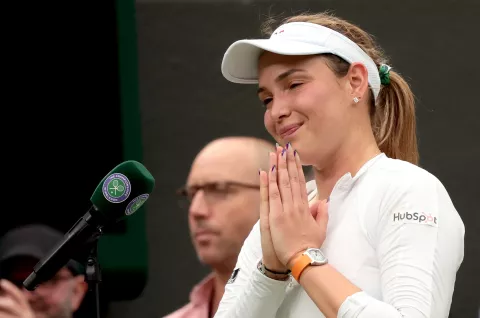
312,256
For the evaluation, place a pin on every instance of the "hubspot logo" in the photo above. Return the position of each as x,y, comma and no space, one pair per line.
415,217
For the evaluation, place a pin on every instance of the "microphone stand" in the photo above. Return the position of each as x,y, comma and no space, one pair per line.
83,239
93,274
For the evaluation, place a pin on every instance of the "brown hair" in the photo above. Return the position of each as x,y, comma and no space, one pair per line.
393,116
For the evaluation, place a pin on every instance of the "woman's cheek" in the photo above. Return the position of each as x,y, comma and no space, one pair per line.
267,121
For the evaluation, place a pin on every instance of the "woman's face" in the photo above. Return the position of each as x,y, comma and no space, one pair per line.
306,104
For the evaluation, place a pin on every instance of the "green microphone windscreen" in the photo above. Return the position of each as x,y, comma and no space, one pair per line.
123,190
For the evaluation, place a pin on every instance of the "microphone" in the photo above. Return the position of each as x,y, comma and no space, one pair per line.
120,193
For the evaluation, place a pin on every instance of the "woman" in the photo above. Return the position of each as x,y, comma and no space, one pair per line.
378,236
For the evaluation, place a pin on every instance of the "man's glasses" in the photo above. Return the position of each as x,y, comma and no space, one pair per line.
214,191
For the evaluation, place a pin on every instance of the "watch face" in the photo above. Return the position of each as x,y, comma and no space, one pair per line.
317,256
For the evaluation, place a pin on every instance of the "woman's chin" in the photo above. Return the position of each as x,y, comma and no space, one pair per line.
306,156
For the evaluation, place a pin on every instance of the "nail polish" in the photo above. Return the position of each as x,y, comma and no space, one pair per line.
294,153
283,152
288,145
273,168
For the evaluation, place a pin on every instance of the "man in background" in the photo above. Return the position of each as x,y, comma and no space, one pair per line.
223,193
20,250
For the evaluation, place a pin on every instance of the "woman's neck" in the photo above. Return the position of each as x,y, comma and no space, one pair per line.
349,158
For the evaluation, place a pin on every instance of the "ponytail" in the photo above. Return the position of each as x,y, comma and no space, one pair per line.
394,123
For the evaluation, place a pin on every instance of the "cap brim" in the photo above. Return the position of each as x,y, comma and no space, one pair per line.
30,251
75,267
22,251
240,62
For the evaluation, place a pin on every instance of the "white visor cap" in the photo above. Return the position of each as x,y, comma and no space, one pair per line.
240,62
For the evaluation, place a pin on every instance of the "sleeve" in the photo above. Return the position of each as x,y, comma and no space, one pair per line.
420,246
249,293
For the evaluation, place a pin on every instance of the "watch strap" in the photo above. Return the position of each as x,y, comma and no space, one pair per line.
300,264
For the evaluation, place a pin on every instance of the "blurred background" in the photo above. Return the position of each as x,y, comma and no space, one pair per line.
91,84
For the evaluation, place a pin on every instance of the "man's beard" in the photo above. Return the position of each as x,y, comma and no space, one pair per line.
64,311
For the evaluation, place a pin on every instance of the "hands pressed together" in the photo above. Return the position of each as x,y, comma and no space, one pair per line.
288,225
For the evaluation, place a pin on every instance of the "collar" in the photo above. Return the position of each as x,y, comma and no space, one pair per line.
367,165
203,291
346,181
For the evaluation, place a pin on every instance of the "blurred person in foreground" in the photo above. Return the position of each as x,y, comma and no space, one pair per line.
20,250
223,196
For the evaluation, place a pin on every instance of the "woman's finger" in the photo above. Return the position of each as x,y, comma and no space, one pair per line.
284,180
297,199
264,200
301,178
274,198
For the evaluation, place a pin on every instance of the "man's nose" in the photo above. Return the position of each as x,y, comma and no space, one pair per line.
199,207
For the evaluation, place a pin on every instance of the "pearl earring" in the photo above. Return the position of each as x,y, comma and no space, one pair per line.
356,100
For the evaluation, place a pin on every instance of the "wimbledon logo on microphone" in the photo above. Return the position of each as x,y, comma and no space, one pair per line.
116,188
136,203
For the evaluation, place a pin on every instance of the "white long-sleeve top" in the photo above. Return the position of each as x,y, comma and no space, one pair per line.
392,231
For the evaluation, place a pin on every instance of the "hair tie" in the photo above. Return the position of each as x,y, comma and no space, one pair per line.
384,71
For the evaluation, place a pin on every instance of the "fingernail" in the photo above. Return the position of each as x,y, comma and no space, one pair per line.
283,152
294,153
276,145
273,168
288,145
259,171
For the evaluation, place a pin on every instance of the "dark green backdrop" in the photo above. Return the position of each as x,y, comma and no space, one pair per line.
70,114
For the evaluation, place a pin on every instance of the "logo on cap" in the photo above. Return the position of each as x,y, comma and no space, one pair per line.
116,188
136,203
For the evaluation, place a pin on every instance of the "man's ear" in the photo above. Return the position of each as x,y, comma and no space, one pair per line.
358,80
80,288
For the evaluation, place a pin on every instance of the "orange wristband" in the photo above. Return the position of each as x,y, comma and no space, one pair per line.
303,262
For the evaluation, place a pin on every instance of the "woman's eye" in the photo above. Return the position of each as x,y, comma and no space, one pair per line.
294,85
267,101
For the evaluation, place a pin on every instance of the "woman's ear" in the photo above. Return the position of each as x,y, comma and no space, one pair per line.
357,77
